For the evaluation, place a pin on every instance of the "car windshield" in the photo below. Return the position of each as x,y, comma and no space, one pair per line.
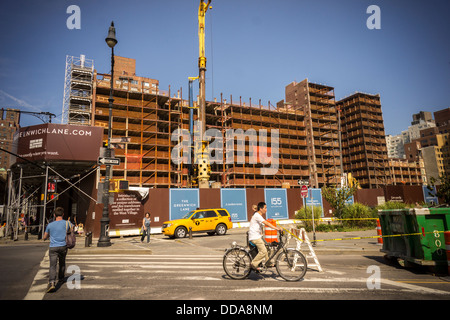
187,215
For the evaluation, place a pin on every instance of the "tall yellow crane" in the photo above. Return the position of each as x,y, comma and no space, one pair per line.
202,158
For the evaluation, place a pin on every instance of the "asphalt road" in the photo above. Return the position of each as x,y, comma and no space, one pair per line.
191,270
19,264
201,277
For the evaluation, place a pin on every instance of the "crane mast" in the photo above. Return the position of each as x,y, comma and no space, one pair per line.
201,149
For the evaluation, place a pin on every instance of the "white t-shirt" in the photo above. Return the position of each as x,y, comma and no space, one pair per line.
255,229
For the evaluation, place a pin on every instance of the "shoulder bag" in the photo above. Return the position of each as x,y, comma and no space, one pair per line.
70,236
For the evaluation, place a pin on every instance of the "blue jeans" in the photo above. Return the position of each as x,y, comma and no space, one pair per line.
146,232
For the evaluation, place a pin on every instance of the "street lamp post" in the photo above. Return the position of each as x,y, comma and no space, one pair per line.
104,240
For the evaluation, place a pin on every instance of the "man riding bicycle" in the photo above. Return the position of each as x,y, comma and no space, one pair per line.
255,235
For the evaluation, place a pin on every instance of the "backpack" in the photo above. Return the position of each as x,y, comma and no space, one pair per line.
70,237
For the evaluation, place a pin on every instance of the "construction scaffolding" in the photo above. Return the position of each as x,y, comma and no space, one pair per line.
312,129
32,194
317,103
78,81
364,143
147,118
150,119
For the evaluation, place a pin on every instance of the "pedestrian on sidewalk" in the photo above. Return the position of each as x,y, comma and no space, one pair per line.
146,227
57,252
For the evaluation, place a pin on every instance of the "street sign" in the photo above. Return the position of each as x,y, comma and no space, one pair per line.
304,191
109,161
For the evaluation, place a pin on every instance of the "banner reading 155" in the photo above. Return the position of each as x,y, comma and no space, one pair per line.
276,200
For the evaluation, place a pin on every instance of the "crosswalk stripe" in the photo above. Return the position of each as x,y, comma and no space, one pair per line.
196,268
141,258
141,263
153,266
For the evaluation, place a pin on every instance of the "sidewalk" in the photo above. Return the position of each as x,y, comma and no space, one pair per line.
200,243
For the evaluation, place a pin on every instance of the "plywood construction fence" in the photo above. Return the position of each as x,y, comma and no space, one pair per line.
128,208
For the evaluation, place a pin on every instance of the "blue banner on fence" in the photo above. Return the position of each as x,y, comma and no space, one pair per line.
314,197
277,206
430,198
235,201
349,201
182,201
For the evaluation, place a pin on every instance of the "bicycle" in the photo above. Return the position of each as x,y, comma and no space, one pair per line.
290,264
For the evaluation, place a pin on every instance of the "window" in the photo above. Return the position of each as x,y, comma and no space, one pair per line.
223,213
134,82
199,215
210,214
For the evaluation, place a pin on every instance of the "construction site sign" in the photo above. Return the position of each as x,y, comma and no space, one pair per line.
57,142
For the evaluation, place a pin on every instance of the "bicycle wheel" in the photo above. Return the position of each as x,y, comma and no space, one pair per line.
291,265
236,263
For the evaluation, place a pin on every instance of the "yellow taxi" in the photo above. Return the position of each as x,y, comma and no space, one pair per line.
211,221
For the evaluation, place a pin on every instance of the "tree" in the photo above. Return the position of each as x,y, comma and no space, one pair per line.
443,190
337,197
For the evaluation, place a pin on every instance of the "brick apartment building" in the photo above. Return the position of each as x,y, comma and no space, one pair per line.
9,123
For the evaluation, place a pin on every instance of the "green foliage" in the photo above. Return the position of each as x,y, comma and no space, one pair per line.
359,216
391,205
337,197
444,188
305,214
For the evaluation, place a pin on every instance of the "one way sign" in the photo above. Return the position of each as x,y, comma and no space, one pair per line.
110,161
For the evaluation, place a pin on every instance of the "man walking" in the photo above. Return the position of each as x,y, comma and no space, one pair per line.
255,235
57,231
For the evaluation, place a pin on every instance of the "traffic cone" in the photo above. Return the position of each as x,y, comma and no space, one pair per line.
380,239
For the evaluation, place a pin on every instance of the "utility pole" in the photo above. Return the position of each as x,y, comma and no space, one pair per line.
41,115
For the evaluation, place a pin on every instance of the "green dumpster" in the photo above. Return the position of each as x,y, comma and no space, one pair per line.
416,235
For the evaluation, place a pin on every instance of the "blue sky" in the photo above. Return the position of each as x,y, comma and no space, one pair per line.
254,49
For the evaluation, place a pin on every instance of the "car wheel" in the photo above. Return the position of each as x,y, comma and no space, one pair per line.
180,232
221,229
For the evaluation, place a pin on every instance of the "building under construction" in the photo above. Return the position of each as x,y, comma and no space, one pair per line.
149,116
316,103
312,129
363,140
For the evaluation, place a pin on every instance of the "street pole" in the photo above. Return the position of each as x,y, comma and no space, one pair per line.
340,145
312,213
104,240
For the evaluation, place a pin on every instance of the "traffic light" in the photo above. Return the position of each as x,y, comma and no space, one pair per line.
117,185
50,197
51,187
123,185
